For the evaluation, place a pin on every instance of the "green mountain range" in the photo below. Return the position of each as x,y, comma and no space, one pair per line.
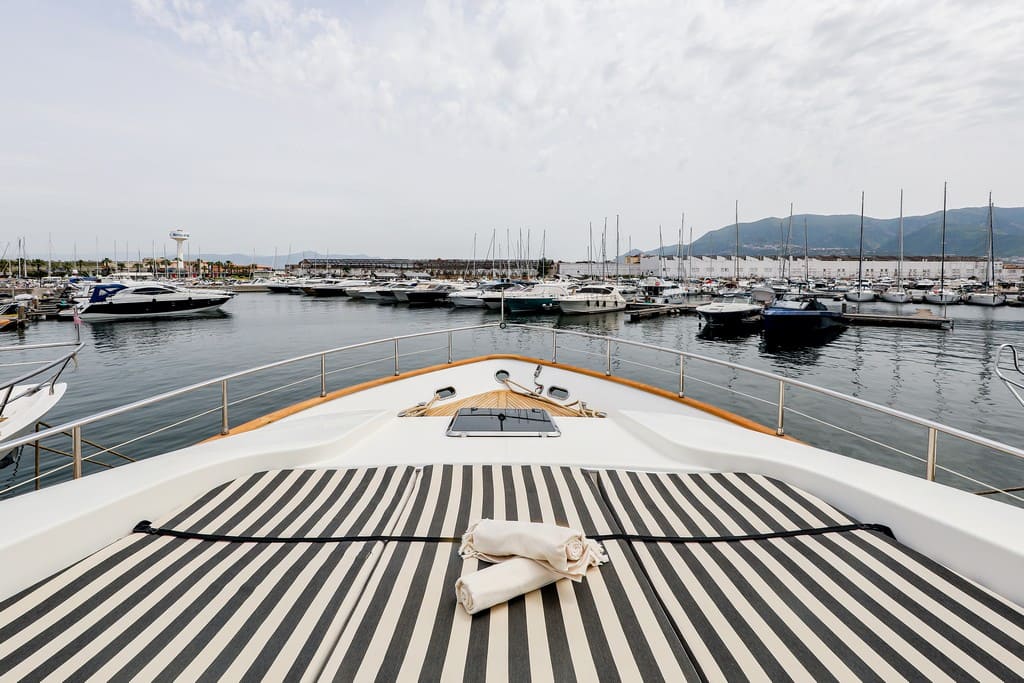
966,235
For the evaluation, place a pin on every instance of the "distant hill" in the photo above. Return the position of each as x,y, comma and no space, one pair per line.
966,235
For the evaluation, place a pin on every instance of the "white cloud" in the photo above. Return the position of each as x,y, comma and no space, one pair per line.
459,116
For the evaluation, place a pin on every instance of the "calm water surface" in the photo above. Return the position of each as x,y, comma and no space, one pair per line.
944,375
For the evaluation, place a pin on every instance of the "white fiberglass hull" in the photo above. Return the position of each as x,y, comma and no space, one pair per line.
23,412
467,301
896,296
578,307
986,299
943,297
860,295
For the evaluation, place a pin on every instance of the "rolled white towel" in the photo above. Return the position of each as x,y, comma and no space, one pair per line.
501,582
561,549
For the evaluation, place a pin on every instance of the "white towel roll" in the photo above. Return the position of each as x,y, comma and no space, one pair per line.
501,582
561,549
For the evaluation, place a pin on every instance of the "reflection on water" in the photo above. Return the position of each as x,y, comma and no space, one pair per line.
943,375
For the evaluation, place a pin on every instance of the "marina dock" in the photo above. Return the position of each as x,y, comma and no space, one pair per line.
636,312
922,319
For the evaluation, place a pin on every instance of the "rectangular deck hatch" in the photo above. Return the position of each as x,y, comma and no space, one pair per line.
502,422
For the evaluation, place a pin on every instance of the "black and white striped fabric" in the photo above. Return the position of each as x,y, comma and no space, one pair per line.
149,607
820,605
409,626
302,503
834,606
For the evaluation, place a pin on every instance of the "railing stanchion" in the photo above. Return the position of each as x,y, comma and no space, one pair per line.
933,446
449,347
323,375
608,357
682,375
76,452
396,357
779,429
554,345
224,427
37,461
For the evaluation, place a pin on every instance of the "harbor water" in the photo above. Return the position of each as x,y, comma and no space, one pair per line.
947,375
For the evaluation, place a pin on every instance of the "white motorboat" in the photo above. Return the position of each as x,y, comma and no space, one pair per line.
314,543
126,301
474,296
333,287
730,311
658,290
600,298
255,285
492,298
539,298
27,397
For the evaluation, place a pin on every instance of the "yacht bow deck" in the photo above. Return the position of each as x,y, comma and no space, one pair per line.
349,574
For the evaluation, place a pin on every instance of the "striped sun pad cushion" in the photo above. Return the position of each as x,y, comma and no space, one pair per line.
408,624
838,605
300,504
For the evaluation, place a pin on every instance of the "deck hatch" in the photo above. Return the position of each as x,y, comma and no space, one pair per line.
502,422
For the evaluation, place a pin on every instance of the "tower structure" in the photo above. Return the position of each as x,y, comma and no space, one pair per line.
180,236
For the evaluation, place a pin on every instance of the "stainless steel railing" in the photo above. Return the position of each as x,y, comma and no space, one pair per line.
75,427
933,428
605,345
1013,384
7,389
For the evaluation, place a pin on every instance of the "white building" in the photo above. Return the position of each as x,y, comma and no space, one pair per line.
843,267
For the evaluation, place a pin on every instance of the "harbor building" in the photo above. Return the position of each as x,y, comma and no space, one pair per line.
819,267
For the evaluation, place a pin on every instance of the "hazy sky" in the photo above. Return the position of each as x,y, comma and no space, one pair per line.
401,128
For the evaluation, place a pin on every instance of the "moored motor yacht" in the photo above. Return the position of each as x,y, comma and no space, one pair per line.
313,543
595,298
797,314
656,290
125,301
333,287
731,311
539,298
473,297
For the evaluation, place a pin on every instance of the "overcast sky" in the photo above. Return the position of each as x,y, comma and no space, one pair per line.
403,128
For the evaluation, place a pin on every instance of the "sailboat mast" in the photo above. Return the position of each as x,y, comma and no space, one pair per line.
661,253
991,246
789,239
689,255
604,250
616,247
807,258
899,263
860,258
736,258
942,258
679,248
590,253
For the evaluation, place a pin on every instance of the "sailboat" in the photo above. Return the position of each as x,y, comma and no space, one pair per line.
990,296
898,295
732,310
942,295
860,292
